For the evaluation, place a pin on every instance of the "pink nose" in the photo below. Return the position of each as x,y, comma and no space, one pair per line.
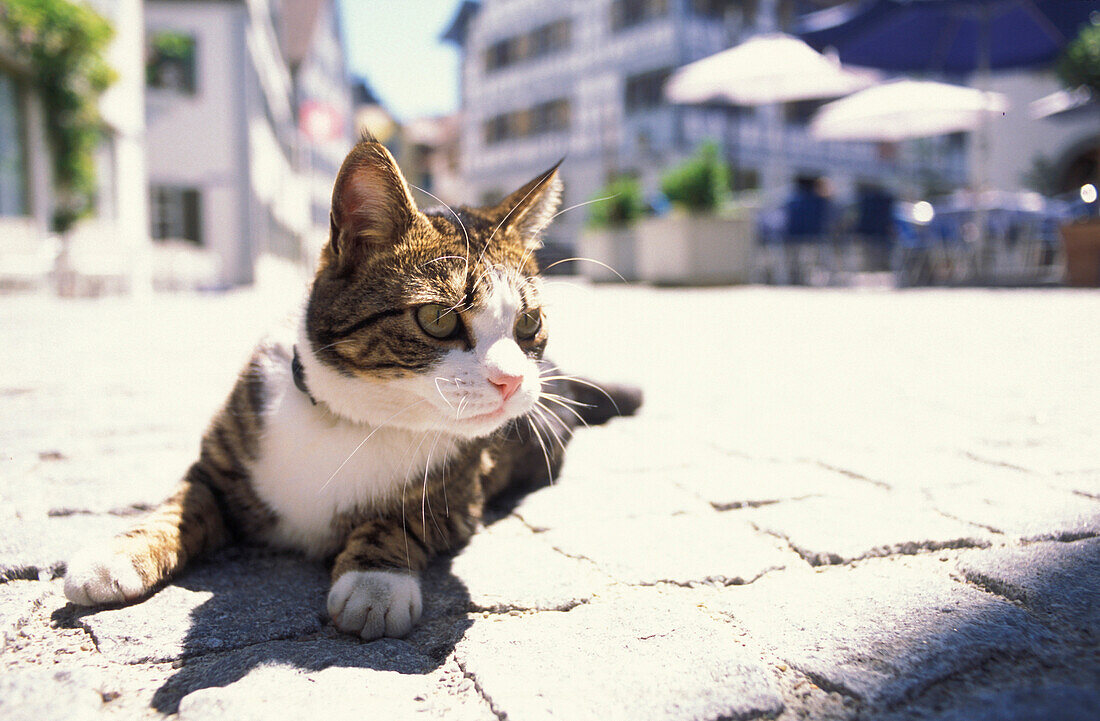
506,383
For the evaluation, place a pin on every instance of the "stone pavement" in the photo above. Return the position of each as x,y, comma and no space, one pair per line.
834,504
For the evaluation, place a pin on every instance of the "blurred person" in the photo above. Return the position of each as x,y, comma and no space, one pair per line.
771,265
809,219
875,227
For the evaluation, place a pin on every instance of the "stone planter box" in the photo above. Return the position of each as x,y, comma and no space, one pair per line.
1081,242
614,247
695,250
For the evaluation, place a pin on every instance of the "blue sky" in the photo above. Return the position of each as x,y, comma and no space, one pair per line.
395,45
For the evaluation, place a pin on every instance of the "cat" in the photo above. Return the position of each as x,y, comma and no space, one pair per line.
406,396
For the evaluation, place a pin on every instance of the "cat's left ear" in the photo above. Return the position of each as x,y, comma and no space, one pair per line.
531,208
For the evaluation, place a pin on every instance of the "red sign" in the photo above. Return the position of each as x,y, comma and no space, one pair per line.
320,122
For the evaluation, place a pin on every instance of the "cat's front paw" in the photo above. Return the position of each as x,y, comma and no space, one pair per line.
100,576
371,604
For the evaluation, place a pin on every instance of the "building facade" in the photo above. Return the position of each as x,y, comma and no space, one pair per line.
248,113
25,177
111,247
583,79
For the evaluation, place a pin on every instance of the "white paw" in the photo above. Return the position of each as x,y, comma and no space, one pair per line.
99,575
371,604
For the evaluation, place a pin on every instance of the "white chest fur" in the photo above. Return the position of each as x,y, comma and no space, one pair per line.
314,466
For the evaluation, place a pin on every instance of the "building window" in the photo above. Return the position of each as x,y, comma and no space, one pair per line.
628,13
543,40
550,116
170,61
802,111
13,172
645,91
176,213
497,55
718,9
550,38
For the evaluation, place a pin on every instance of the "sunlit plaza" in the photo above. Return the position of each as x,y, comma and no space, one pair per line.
847,250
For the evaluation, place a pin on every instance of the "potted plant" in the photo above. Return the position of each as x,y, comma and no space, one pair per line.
698,243
1078,67
608,237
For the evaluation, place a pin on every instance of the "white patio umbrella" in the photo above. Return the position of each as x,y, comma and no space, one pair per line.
905,109
765,69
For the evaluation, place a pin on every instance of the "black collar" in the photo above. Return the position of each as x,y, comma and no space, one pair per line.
300,376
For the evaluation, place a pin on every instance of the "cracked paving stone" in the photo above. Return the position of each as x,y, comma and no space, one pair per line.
34,543
596,498
43,693
237,598
18,601
269,692
1085,483
904,468
690,548
1057,455
1013,507
506,566
267,674
629,445
1056,579
100,479
736,482
883,631
1051,703
635,659
873,523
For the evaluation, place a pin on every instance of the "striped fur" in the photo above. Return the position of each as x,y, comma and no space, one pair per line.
390,455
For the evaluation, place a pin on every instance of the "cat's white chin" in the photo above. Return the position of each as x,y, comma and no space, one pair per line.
481,425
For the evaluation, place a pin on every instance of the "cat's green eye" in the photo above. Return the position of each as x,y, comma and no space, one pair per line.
528,324
437,320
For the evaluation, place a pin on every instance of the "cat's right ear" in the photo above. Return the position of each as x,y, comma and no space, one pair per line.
371,203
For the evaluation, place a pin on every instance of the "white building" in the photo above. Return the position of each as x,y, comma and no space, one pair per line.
248,109
584,79
1065,144
110,249
25,174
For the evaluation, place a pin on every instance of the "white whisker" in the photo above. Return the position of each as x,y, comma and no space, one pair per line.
566,407
440,390
541,411
563,399
460,224
424,490
373,431
404,490
574,379
545,453
590,260
331,345
587,202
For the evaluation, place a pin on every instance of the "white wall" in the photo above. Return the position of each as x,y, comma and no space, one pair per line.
1016,139
195,140
123,167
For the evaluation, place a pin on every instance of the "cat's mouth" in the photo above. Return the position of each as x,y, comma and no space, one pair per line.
484,422
497,414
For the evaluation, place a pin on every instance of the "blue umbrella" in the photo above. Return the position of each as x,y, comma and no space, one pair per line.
947,36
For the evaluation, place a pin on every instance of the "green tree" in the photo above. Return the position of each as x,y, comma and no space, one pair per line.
64,44
1080,61
1079,66
701,184
617,205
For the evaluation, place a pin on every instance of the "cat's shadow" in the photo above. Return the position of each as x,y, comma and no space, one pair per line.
264,609
267,608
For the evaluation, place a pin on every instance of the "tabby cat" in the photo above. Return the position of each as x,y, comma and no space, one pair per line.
374,434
